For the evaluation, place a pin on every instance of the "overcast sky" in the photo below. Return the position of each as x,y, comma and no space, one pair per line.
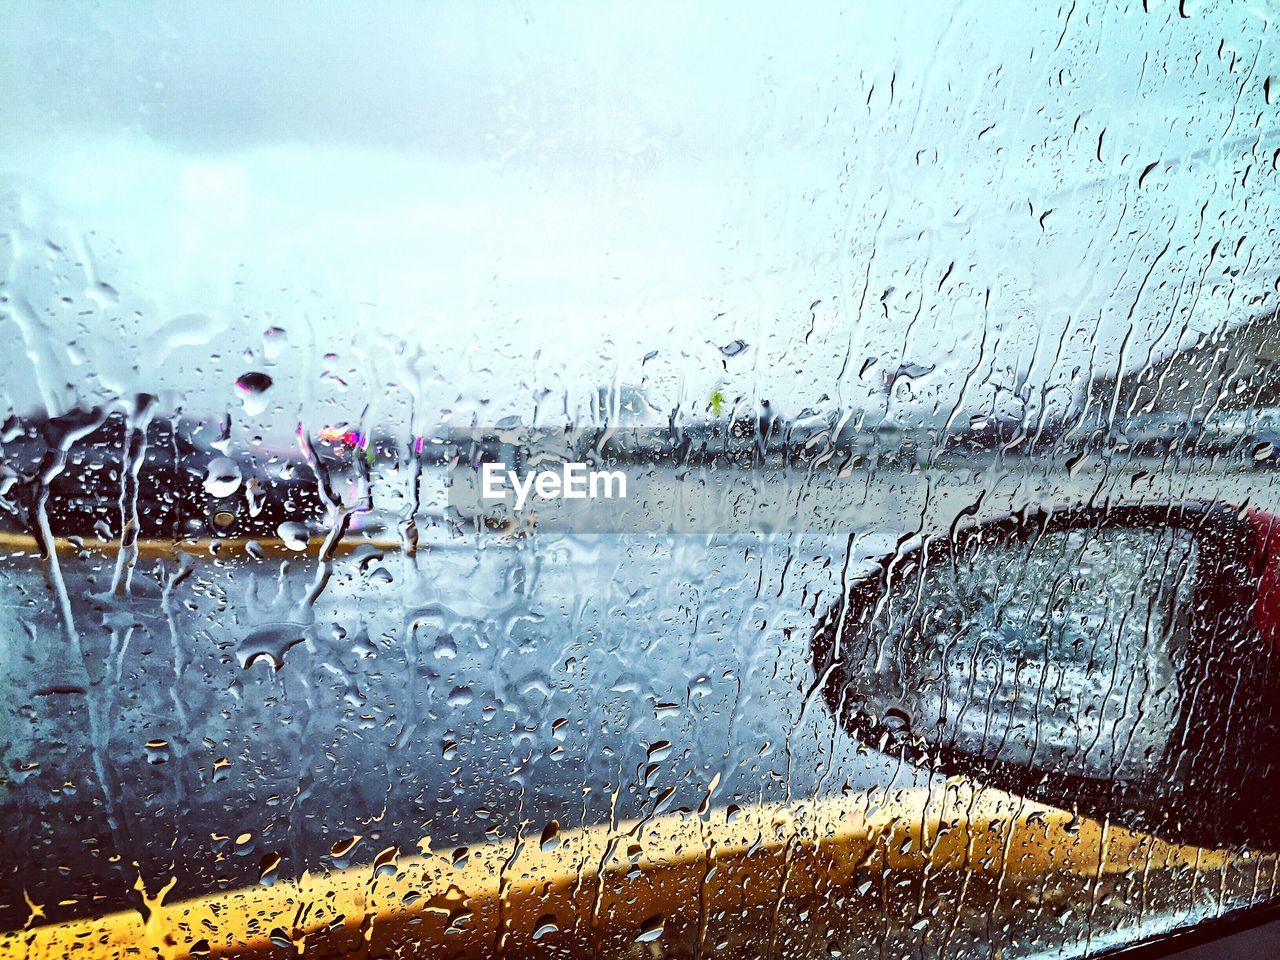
483,208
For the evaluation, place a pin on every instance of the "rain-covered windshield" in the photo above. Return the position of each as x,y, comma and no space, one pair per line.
433,434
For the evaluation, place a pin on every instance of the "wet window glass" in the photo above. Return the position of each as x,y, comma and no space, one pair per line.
615,480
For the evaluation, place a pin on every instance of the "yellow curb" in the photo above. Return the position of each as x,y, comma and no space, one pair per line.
20,544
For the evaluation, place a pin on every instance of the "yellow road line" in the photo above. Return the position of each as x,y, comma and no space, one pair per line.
610,885
23,544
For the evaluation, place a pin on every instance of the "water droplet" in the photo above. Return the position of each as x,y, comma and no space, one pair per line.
550,836
896,721
384,864
267,868
294,534
272,641
222,478
252,387
253,382
459,918
651,929
274,341
366,554
659,751
344,846
460,696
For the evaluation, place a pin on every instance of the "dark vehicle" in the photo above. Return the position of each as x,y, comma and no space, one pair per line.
86,473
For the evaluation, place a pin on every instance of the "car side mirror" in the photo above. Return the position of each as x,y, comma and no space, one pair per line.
1119,661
